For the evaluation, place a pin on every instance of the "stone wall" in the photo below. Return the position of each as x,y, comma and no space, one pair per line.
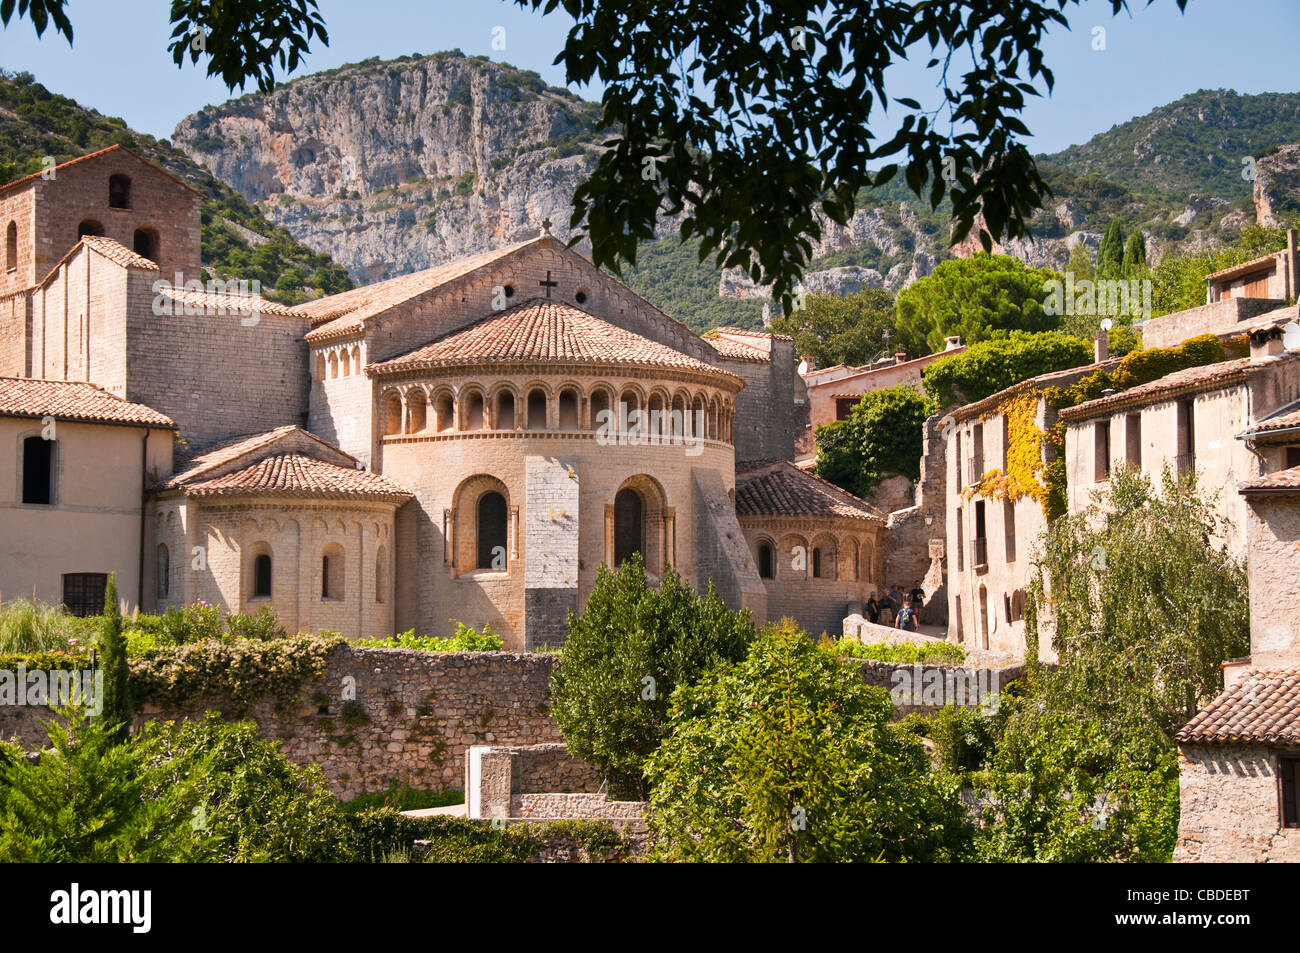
1229,807
414,715
1217,318
916,549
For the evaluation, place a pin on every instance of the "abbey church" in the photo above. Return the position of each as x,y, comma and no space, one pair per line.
469,443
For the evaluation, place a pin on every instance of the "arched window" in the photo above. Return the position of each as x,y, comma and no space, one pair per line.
320,367
262,576
491,532
11,247
537,409
334,365
146,243
505,411
473,412
629,524
38,471
331,572
817,563
599,407
442,411
164,571
765,560
381,575
89,227
569,410
678,417
119,191
345,365
390,412
417,411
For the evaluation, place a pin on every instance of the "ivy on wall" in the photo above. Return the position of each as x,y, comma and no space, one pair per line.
1027,473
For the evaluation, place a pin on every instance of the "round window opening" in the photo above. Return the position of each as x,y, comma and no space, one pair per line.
580,297
509,290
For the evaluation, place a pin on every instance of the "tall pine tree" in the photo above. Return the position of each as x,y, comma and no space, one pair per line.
1135,254
117,710
1110,254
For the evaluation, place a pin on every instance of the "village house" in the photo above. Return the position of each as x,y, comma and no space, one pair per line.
471,442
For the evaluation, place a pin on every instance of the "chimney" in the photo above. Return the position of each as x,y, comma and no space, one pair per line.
1100,347
900,357
952,343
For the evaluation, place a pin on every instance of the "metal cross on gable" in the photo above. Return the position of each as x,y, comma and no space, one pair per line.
548,284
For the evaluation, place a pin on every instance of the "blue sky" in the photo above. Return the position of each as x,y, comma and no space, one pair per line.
119,62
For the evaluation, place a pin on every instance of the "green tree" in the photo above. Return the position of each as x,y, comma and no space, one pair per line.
253,804
1110,253
630,648
841,330
882,437
788,756
1080,263
1145,602
990,366
1135,255
118,710
91,799
975,298
1145,605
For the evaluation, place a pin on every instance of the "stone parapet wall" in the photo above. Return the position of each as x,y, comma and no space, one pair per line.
405,717
555,807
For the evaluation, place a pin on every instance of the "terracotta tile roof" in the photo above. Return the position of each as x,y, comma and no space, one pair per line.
1284,482
234,305
1262,708
202,461
1246,267
295,474
27,179
74,400
779,488
540,330
116,251
1276,423
1193,380
754,334
739,350
348,311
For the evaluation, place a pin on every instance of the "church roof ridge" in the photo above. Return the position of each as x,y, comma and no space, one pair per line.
297,474
538,329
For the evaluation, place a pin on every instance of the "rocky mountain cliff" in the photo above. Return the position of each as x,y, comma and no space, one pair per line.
392,166
395,166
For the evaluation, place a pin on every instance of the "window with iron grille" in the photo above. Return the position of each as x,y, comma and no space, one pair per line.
83,592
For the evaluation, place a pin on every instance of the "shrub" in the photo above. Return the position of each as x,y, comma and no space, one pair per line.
253,803
625,654
403,798
465,640
788,756
883,436
990,366
937,653
91,799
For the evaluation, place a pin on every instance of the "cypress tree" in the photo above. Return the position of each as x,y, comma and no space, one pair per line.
1110,254
117,709
1135,254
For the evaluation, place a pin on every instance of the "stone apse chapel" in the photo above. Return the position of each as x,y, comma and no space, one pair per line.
470,442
